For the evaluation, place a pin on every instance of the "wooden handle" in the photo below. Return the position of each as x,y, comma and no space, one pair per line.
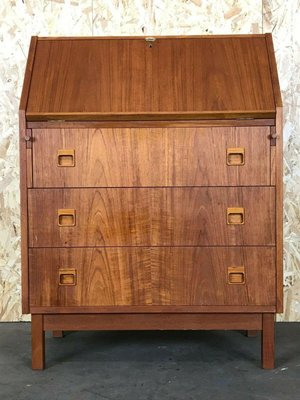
236,275
66,217
235,216
66,158
235,156
67,277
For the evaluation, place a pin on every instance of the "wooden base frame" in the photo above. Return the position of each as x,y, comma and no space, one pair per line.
57,323
251,333
58,334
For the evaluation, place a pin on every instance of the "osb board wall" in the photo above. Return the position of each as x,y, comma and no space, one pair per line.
19,19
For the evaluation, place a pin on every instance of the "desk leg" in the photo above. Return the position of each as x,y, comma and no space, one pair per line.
267,341
38,341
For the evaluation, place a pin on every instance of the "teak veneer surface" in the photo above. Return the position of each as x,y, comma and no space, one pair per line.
152,276
152,321
152,216
152,309
151,157
128,227
183,77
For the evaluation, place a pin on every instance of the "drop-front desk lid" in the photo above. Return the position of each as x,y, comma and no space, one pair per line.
142,78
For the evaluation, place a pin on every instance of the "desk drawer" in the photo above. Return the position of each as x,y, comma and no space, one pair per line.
151,276
151,217
140,157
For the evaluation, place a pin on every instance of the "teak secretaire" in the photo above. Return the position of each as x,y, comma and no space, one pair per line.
151,185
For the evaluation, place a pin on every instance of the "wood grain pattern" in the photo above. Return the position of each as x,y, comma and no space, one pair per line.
152,276
279,184
28,74
268,341
279,208
200,276
180,78
178,309
151,157
60,124
273,151
37,342
150,187
24,213
24,176
273,70
104,277
149,116
152,322
103,217
29,172
152,217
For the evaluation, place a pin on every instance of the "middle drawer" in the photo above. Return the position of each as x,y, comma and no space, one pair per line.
192,216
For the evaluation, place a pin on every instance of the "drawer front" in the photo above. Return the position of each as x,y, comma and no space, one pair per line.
134,157
152,276
151,217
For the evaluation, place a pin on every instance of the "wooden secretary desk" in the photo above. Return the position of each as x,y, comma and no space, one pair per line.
151,185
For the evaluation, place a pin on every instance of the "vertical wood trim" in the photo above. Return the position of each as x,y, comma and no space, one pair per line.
28,73
29,165
24,213
273,70
24,178
279,172
267,341
38,341
279,209
273,165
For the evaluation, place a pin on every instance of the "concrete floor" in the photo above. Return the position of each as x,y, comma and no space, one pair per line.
202,365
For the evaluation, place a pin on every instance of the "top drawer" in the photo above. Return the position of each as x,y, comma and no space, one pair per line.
137,157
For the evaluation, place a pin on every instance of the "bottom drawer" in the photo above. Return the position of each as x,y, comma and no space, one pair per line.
124,276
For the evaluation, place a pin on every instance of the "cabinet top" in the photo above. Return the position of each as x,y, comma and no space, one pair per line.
142,78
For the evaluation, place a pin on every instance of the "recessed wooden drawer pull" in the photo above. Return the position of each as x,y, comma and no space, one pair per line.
66,217
236,156
67,277
66,158
235,216
236,275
